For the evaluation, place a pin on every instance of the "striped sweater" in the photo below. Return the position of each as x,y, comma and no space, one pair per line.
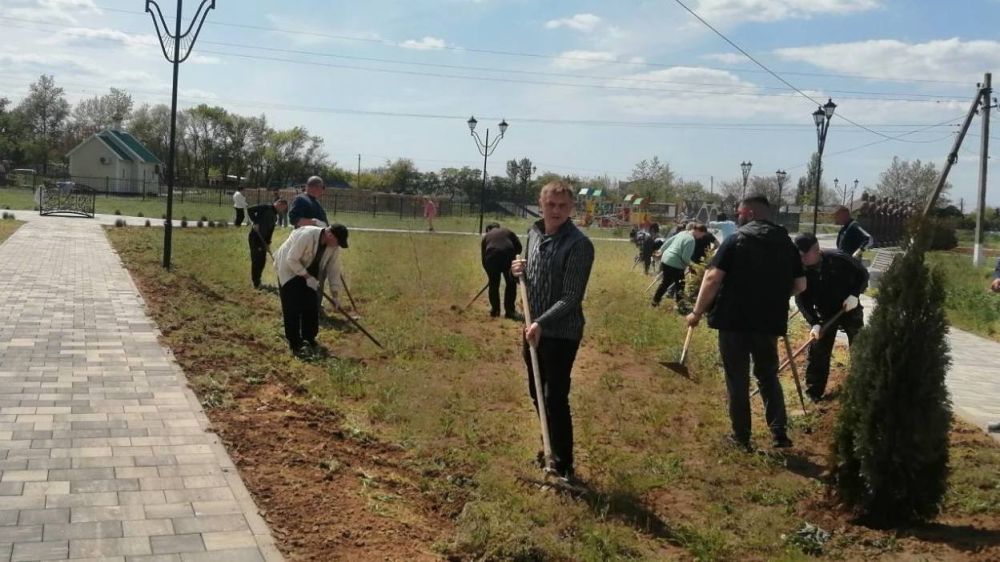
558,268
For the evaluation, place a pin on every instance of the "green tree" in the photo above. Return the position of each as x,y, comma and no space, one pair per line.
108,111
891,440
44,111
910,182
12,133
653,179
402,176
463,181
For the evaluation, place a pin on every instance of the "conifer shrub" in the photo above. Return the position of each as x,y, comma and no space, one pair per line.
120,222
200,224
148,224
890,447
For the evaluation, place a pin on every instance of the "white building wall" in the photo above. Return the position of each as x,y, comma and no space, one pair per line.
86,167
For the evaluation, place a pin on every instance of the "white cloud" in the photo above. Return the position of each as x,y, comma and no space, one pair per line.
105,34
309,33
204,59
49,11
578,60
425,44
944,59
726,58
579,22
728,11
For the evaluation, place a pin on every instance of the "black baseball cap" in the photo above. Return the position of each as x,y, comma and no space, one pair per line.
340,231
805,241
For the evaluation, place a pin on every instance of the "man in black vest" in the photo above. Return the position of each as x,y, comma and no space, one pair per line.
262,218
834,282
746,291
499,248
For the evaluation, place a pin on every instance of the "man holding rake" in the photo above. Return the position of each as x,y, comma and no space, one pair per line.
834,283
555,274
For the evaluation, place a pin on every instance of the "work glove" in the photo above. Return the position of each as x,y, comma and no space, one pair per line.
336,301
312,283
815,332
850,303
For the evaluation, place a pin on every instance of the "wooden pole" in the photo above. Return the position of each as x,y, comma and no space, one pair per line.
977,254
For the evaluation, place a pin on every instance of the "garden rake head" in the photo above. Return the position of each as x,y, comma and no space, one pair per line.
679,367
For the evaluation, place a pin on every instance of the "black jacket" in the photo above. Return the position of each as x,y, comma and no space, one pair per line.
836,277
761,265
851,237
500,244
264,216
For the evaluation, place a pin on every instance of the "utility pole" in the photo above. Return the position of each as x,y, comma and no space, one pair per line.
358,183
711,185
953,154
987,91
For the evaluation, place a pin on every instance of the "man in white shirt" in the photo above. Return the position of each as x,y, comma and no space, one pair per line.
240,204
308,257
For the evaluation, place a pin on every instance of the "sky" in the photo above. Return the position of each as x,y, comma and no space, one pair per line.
589,88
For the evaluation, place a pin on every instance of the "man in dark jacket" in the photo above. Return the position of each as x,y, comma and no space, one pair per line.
746,290
556,271
851,237
262,218
499,248
834,282
306,209
648,247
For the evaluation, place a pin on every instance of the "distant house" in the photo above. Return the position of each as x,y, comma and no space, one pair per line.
115,161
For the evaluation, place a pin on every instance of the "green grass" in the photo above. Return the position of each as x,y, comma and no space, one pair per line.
451,393
991,240
7,227
969,303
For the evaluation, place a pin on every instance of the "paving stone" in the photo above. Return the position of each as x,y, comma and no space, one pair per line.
104,451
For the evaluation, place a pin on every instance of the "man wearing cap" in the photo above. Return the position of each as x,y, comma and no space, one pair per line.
306,209
308,257
852,238
834,283
262,219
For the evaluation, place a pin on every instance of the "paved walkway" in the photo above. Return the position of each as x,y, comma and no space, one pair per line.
104,451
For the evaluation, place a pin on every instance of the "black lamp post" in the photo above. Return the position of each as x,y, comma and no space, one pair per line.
745,168
486,149
852,192
781,175
821,117
172,44
836,188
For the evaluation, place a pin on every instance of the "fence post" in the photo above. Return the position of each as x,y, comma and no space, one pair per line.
107,185
220,196
335,202
374,205
400,208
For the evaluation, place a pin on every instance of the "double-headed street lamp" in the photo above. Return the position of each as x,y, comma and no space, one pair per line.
852,192
821,117
836,188
486,149
781,176
745,168
171,44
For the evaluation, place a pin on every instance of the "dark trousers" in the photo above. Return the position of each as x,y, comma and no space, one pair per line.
818,356
647,261
239,217
258,257
671,275
300,311
498,267
736,349
555,359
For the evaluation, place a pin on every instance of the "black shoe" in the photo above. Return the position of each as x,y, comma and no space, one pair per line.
654,304
814,398
514,316
993,427
494,314
540,460
781,442
741,444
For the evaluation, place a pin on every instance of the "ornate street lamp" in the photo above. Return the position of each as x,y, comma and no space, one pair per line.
486,149
852,192
821,117
745,168
836,187
172,44
781,175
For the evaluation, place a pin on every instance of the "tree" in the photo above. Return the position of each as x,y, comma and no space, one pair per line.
461,181
891,439
653,179
44,111
806,189
109,111
519,173
12,131
910,182
151,125
402,176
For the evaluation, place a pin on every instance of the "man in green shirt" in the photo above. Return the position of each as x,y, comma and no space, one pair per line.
675,257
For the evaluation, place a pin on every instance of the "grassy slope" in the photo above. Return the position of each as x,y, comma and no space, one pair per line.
7,227
969,303
451,393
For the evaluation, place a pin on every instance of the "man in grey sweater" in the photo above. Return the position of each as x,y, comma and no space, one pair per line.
556,271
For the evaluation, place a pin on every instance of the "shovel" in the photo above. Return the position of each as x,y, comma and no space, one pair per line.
790,360
481,291
655,281
679,367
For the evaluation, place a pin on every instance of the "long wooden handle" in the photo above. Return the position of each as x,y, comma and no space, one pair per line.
536,372
687,343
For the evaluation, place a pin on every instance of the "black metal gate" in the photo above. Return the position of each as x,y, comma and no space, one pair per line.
67,198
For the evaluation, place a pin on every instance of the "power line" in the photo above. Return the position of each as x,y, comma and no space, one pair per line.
777,76
928,98
526,54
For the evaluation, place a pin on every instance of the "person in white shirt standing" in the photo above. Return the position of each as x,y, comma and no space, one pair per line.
240,204
310,253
